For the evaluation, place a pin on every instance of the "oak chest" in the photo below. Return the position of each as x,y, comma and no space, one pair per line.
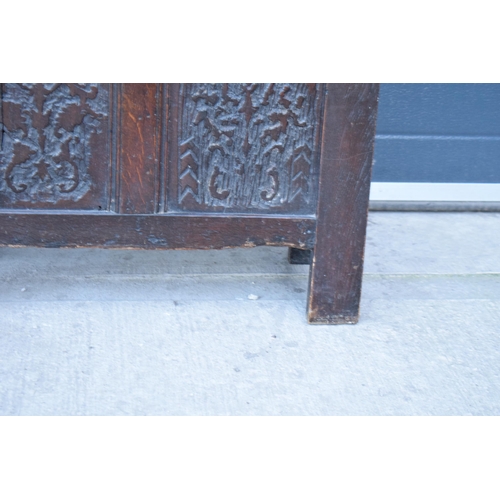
201,166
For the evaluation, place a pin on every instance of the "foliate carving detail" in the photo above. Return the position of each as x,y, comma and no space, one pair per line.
46,134
247,145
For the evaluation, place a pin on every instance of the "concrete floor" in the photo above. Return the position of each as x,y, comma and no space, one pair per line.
107,332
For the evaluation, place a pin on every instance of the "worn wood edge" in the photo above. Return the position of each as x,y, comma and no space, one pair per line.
348,179
153,232
336,319
171,214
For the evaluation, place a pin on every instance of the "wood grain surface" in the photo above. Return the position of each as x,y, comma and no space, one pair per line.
161,231
344,188
138,178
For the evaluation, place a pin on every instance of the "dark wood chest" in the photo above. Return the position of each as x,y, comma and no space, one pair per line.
202,166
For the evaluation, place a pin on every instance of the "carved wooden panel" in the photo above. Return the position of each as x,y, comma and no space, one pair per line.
55,146
244,147
199,152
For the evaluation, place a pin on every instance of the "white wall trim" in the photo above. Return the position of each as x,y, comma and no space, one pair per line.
433,191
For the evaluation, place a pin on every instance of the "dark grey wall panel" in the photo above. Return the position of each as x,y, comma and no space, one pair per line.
430,160
438,133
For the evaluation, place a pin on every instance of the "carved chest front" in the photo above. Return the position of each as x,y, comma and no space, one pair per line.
171,166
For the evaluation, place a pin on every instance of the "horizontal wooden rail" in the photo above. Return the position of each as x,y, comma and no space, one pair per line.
153,232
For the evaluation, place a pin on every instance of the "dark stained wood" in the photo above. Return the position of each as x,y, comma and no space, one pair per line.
159,231
195,166
344,187
139,146
298,256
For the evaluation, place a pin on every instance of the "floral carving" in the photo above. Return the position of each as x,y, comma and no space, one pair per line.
46,134
247,145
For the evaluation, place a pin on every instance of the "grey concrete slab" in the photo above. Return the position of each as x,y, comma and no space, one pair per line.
96,332
433,243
